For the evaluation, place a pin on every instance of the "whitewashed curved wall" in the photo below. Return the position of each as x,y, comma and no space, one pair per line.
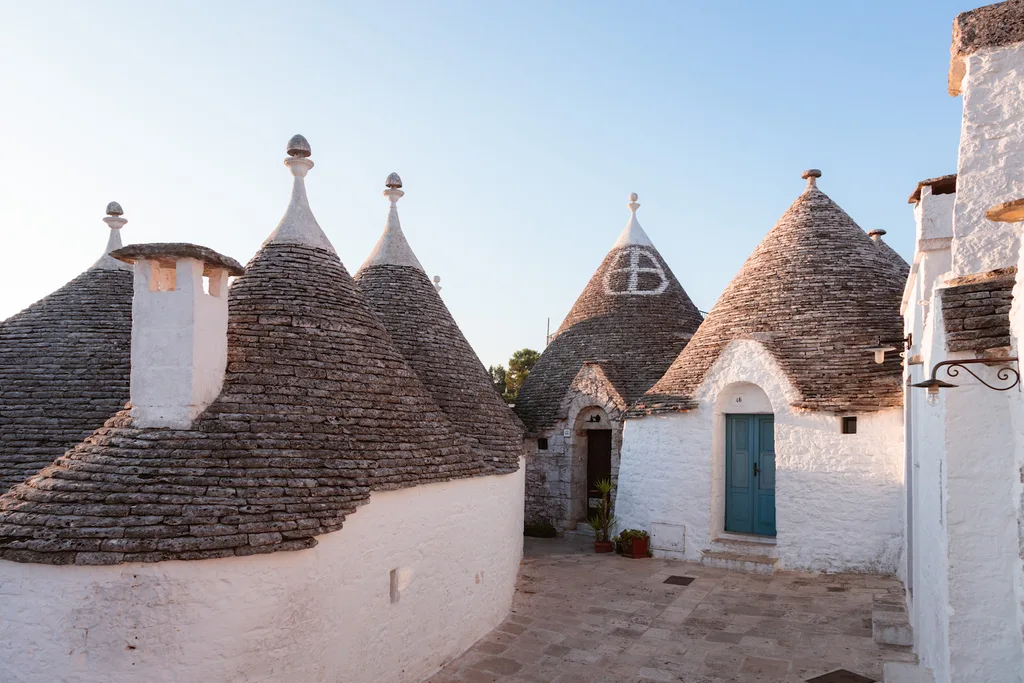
324,614
838,497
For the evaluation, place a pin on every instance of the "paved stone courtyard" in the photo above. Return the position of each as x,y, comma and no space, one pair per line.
581,617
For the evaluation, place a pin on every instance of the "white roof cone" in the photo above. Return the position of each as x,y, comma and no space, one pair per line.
633,233
299,226
392,249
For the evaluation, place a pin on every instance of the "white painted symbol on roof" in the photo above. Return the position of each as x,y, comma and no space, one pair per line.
635,270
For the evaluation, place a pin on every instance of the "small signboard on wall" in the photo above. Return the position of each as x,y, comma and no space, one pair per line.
566,433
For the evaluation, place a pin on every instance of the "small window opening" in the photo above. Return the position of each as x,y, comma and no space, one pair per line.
163,278
849,425
542,444
206,285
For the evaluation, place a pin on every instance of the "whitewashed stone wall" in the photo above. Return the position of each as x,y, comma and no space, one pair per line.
991,159
413,579
838,496
556,478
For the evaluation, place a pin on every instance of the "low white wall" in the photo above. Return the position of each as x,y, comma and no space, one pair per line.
324,614
838,497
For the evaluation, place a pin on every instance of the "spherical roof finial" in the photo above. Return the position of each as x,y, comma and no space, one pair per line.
810,173
298,146
633,196
394,181
114,209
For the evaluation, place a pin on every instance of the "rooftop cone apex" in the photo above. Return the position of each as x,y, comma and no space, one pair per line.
299,226
633,233
115,222
392,249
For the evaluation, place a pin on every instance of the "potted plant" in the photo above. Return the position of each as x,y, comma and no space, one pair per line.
603,521
634,542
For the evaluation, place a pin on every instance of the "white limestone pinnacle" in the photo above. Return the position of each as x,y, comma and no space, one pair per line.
392,249
115,222
633,234
299,226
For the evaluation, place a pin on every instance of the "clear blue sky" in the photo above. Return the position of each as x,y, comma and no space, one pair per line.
519,129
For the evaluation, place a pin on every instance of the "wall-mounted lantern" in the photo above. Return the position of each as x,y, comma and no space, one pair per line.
953,367
883,346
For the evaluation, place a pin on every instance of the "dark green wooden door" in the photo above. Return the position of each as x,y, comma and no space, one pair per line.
750,474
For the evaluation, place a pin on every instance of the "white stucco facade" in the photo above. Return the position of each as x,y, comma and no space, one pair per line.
413,579
838,496
990,166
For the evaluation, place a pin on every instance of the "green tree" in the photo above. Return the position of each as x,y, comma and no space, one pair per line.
498,375
519,366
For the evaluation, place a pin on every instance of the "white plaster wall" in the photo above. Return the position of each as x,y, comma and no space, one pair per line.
1017,424
991,159
323,614
838,496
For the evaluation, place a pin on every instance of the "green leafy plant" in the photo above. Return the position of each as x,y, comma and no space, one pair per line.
603,521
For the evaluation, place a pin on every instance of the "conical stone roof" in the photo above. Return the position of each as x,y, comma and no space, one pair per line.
64,364
317,409
816,292
633,318
428,337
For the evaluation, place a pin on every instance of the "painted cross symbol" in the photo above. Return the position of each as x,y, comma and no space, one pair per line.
635,269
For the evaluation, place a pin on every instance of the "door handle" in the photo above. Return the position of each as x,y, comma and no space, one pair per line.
755,469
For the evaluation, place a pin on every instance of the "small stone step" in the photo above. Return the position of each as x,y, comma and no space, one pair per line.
889,622
904,672
759,564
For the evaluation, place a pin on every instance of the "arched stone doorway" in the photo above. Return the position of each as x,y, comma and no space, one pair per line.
596,443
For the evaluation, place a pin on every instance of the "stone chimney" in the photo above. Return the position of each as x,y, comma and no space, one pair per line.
933,201
179,330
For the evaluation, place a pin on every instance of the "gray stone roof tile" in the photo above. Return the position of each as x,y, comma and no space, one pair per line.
816,292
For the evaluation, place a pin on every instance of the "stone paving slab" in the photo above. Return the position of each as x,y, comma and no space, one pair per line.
579,617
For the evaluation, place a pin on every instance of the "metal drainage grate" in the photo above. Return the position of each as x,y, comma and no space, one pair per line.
841,676
679,580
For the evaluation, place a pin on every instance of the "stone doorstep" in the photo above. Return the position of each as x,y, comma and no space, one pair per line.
903,672
759,564
891,628
744,544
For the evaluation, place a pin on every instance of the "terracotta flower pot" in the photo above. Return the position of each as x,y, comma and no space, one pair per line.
603,546
638,548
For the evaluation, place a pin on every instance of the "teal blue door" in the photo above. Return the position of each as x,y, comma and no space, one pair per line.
750,474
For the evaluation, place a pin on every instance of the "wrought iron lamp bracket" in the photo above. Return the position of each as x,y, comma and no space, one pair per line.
1006,373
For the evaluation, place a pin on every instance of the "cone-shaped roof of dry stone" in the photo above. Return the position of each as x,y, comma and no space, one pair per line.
426,334
64,364
317,409
633,318
816,292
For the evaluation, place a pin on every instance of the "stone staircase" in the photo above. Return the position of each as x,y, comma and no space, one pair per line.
741,552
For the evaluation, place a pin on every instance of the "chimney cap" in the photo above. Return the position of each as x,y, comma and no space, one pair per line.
876,234
298,146
168,252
